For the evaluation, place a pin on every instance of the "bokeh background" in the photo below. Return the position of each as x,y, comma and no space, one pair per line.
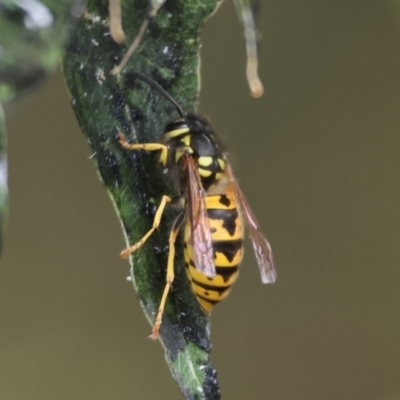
318,158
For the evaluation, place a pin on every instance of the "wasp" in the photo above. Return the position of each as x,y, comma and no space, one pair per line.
214,210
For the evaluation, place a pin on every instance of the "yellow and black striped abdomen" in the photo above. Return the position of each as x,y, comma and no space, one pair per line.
227,237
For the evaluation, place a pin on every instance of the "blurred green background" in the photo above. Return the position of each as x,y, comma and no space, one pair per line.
318,158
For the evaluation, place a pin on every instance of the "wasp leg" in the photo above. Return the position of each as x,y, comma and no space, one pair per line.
156,223
170,275
144,146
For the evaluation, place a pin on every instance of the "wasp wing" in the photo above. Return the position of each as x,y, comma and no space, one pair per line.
262,248
200,234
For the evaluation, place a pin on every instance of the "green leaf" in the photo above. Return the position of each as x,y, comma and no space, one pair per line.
106,105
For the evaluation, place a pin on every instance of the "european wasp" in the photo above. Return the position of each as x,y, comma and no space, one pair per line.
213,210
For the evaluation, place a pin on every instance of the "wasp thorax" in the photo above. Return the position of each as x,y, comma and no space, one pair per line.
193,136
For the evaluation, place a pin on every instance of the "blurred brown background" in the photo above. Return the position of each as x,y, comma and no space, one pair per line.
317,156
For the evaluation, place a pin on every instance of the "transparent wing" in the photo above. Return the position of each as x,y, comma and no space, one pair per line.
262,248
200,235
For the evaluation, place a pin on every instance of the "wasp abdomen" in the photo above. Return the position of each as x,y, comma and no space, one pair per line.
227,238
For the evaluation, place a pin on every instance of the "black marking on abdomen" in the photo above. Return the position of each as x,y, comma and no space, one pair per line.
224,200
226,272
190,264
228,217
228,248
213,302
215,288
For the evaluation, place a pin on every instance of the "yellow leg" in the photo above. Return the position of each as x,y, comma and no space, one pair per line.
156,223
145,146
169,278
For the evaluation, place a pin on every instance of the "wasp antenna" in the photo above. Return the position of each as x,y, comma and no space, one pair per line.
159,89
